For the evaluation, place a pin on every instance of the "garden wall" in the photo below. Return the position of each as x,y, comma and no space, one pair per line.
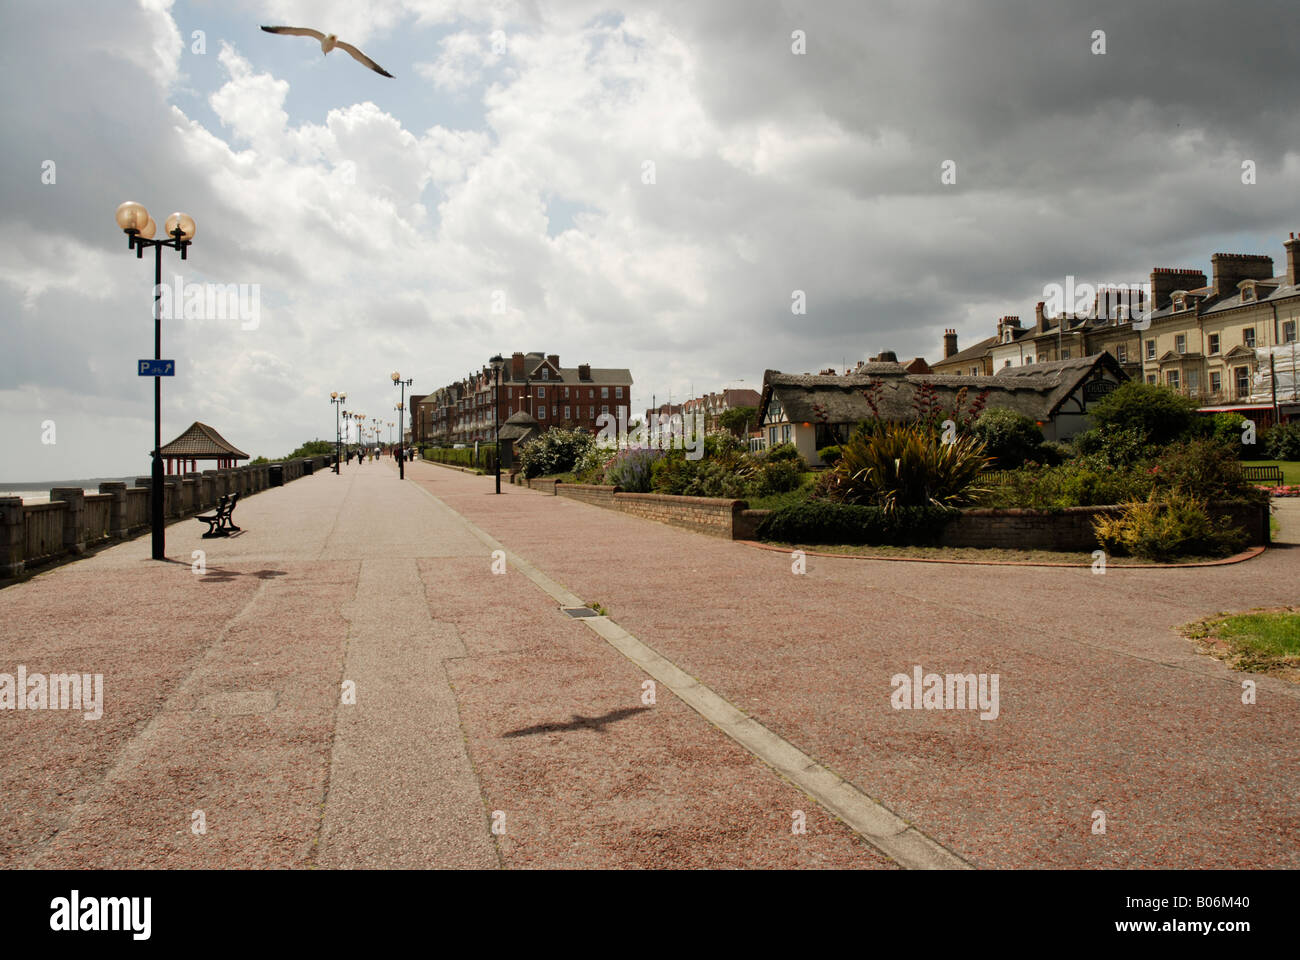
599,495
715,517
1069,529
707,515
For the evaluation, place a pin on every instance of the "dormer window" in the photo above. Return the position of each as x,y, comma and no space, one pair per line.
1180,301
1247,294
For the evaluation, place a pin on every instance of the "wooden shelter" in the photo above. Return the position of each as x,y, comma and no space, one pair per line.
200,442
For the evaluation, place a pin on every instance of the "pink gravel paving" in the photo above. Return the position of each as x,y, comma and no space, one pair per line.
222,696
1103,705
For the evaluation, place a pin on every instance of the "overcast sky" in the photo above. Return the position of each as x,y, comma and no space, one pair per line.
382,220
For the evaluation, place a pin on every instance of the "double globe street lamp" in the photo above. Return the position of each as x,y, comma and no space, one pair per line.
139,227
337,399
402,385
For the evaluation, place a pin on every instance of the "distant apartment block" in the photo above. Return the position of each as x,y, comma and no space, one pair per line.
535,383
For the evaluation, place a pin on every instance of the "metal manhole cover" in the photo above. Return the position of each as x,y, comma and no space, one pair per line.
580,611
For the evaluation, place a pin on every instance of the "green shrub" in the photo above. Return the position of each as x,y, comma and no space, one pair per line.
829,455
784,451
1078,483
1178,525
818,521
631,469
486,459
1282,441
590,467
1206,470
905,465
778,476
555,451
1010,438
1052,453
722,476
725,447
1115,446
1159,414
1225,430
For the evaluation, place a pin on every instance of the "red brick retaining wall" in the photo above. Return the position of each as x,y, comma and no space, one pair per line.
715,517
600,495
1069,529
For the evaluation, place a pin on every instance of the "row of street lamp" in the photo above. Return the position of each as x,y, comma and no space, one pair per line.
344,418
179,229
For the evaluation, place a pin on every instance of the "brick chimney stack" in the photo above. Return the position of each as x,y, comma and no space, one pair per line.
1232,268
516,366
1165,280
1292,260
949,343
1040,318
553,359
584,371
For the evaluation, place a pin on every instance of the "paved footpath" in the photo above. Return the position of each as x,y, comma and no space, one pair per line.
490,729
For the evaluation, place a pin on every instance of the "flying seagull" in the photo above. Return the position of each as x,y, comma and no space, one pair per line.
328,41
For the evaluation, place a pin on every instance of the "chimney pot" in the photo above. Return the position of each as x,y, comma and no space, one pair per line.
1293,261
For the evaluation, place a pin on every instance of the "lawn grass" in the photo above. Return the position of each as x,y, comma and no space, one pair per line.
1290,468
1261,641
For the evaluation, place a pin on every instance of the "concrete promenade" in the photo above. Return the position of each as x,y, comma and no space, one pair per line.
490,729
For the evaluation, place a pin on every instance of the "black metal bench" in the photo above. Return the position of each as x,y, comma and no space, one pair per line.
220,523
1262,474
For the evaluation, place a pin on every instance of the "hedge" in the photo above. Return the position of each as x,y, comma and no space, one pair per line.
464,458
820,521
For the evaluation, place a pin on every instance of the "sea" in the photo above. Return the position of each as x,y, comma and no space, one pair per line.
39,491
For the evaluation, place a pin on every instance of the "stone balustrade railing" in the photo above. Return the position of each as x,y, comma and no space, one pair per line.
73,520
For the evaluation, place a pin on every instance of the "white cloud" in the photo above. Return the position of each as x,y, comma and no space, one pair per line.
379,239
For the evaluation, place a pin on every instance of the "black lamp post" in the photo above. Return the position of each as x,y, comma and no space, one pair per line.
337,399
139,227
497,363
358,419
401,385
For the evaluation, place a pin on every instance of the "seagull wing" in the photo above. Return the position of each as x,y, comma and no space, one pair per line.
362,58
297,32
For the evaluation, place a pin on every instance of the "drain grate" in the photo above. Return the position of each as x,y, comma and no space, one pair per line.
579,611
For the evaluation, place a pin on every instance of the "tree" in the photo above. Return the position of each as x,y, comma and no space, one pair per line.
312,448
1158,413
739,420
